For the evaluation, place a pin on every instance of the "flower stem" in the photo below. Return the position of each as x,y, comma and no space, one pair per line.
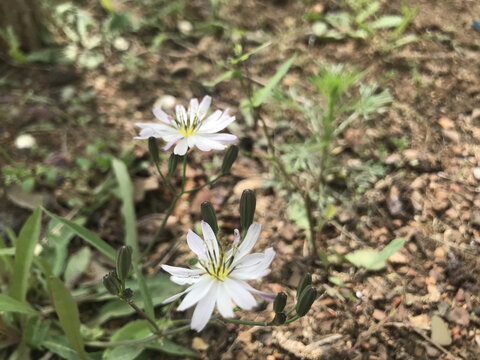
246,322
210,182
165,181
145,316
184,177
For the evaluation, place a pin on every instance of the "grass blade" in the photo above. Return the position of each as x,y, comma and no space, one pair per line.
260,95
25,246
86,235
128,211
9,304
67,311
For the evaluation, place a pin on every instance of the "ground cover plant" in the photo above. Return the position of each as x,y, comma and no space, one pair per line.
229,180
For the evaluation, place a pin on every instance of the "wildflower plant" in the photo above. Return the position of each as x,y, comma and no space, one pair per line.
219,278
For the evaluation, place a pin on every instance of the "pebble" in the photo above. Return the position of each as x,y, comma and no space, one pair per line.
166,102
25,141
476,173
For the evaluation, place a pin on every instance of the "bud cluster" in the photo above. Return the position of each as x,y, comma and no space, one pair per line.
114,281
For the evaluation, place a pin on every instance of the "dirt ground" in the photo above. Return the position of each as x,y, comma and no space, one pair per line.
430,196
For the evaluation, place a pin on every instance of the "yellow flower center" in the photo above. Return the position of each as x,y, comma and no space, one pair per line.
187,131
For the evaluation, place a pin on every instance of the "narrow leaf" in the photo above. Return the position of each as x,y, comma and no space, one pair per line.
67,311
10,304
86,235
260,95
128,211
26,242
76,265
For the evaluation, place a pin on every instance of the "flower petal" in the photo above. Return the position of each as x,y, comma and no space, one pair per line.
197,293
221,138
193,109
203,108
181,114
224,302
176,296
210,240
181,147
204,144
196,244
184,280
179,271
204,310
265,295
162,116
248,243
213,125
248,269
239,294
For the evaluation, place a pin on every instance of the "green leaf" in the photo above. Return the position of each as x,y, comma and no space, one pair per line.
56,250
28,184
372,259
27,240
296,212
67,311
134,330
339,20
160,288
387,22
330,211
260,95
371,9
76,265
60,346
225,76
169,347
336,281
7,251
107,5
86,235
245,56
128,211
391,248
10,304
35,331
5,258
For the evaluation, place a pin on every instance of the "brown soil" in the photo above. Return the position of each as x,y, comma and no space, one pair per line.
430,195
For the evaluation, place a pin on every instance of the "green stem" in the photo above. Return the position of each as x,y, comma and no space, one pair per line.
165,181
184,177
246,322
101,344
144,315
210,182
296,317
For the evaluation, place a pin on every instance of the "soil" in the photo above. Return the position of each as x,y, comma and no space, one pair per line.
430,195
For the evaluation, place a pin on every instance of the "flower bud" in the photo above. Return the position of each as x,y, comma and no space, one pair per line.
112,283
303,283
123,262
280,302
127,294
229,158
247,208
208,215
280,318
307,297
172,164
153,148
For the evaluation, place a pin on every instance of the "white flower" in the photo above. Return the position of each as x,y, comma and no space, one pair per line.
190,128
221,275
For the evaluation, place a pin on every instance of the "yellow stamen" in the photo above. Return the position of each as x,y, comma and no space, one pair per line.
187,131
